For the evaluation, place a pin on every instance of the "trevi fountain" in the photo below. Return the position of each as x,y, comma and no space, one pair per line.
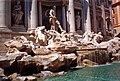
51,55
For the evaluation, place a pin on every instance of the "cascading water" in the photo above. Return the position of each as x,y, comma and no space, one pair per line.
98,56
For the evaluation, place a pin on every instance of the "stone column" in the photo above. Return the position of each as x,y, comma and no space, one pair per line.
64,17
103,16
68,26
71,16
83,15
5,14
118,12
34,19
88,21
40,13
8,13
110,9
94,16
27,13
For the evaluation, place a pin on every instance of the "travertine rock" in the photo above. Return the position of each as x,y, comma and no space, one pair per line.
98,56
2,72
14,44
54,51
71,60
9,59
26,78
51,74
112,45
87,62
51,62
42,51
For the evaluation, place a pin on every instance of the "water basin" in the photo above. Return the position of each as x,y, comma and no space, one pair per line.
108,72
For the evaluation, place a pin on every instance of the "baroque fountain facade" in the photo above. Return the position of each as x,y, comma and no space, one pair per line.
54,51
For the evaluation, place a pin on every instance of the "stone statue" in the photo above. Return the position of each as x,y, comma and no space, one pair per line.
41,38
52,18
97,38
87,37
55,24
17,13
78,18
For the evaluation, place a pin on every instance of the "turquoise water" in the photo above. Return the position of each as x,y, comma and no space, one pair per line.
109,72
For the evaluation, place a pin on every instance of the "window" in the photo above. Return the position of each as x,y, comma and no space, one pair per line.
113,11
114,20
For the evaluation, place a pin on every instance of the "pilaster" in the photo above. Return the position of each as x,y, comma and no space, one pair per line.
71,16
88,20
94,16
83,15
64,17
33,16
27,13
103,16
5,15
40,13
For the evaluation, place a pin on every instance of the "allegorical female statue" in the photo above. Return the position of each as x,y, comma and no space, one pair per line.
78,18
17,13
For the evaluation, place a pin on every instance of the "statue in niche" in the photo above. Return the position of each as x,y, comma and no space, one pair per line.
77,19
109,23
17,13
52,18
55,24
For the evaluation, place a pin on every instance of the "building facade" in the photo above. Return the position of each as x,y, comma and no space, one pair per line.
116,15
23,15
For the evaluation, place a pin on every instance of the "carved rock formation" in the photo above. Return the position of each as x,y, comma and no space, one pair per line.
54,51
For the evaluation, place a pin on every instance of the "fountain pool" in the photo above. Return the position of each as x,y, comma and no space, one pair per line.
108,72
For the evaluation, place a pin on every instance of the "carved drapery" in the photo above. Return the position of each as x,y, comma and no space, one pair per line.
17,12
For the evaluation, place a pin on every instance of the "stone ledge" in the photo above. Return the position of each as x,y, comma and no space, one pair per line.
6,32
18,28
91,49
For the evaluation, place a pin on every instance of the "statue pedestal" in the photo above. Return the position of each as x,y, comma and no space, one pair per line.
80,32
18,28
